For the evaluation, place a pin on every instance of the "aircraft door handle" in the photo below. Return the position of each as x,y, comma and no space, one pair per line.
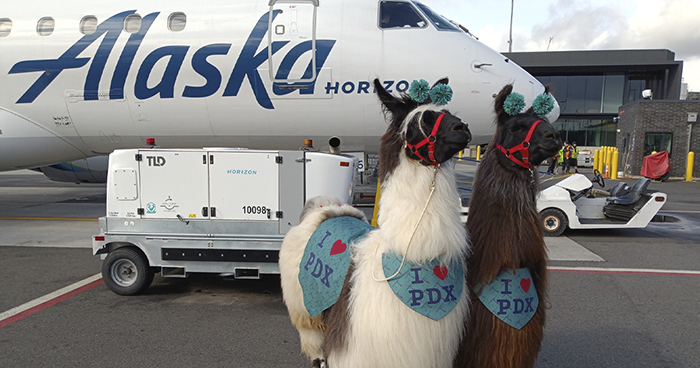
213,212
205,211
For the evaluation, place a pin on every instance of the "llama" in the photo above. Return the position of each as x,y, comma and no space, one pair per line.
508,275
414,259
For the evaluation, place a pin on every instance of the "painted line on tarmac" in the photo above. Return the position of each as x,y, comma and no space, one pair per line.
624,271
48,300
679,211
49,218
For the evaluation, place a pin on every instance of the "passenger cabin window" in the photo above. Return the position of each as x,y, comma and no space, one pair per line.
45,26
394,14
132,23
177,21
438,20
88,25
5,27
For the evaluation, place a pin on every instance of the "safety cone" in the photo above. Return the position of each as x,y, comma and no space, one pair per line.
607,171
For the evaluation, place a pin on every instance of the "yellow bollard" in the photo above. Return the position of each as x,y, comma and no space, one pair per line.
609,158
596,159
604,158
689,168
478,153
460,154
615,159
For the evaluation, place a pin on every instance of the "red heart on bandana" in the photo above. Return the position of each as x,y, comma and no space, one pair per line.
525,284
338,247
440,271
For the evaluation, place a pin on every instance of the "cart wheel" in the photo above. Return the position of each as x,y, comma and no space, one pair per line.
126,271
554,222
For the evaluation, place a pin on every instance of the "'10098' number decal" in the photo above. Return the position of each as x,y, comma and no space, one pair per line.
256,210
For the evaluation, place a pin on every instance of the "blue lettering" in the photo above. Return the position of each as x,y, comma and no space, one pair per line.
320,245
248,63
333,88
318,268
51,68
416,295
166,86
433,292
402,86
529,308
351,88
505,286
324,279
416,276
206,70
503,304
449,297
387,85
126,58
363,87
518,306
312,258
323,49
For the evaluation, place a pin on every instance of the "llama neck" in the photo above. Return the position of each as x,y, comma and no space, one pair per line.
440,233
503,222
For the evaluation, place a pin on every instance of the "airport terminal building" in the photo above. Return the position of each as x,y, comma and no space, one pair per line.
591,86
600,95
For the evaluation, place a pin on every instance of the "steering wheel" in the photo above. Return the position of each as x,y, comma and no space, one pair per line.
597,178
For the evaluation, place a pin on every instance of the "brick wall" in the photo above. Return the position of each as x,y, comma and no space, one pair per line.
661,116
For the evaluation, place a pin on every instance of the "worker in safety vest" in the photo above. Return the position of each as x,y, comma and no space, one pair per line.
560,157
573,160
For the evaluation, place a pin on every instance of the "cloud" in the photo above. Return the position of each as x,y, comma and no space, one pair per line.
641,24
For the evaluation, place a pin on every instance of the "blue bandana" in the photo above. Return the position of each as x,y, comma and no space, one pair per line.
511,297
326,261
431,289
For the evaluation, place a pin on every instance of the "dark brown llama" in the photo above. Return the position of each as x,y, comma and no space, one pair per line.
508,267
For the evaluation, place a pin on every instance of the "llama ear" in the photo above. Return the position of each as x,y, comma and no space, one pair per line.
391,103
501,114
442,81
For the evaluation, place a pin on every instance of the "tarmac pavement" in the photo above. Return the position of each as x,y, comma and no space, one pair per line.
622,307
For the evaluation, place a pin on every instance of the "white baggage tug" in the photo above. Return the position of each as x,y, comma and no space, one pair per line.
214,210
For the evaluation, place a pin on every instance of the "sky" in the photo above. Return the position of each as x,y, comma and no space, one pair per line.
585,25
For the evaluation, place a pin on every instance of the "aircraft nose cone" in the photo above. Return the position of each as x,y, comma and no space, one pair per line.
554,114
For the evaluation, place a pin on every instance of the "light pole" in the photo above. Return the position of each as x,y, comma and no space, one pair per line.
510,40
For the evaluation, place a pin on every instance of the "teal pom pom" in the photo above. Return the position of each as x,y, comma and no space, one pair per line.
419,91
441,94
514,103
543,104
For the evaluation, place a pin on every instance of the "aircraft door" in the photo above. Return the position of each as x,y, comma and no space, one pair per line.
294,24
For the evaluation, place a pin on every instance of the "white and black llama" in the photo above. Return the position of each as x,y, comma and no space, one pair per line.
508,265
403,300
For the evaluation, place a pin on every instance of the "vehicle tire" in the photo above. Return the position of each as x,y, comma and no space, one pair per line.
554,222
126,271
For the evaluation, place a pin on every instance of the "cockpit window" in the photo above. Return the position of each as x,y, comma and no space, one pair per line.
438,20
395,14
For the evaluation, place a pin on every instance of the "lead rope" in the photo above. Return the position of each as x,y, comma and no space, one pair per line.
415,228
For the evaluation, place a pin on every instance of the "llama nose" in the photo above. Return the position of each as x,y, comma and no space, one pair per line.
551,134
459,127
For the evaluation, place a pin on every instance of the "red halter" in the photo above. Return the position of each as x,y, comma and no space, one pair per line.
430,141
522,148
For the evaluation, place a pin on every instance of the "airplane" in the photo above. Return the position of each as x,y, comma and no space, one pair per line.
81,78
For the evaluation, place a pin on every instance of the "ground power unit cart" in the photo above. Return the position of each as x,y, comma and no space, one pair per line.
226,211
